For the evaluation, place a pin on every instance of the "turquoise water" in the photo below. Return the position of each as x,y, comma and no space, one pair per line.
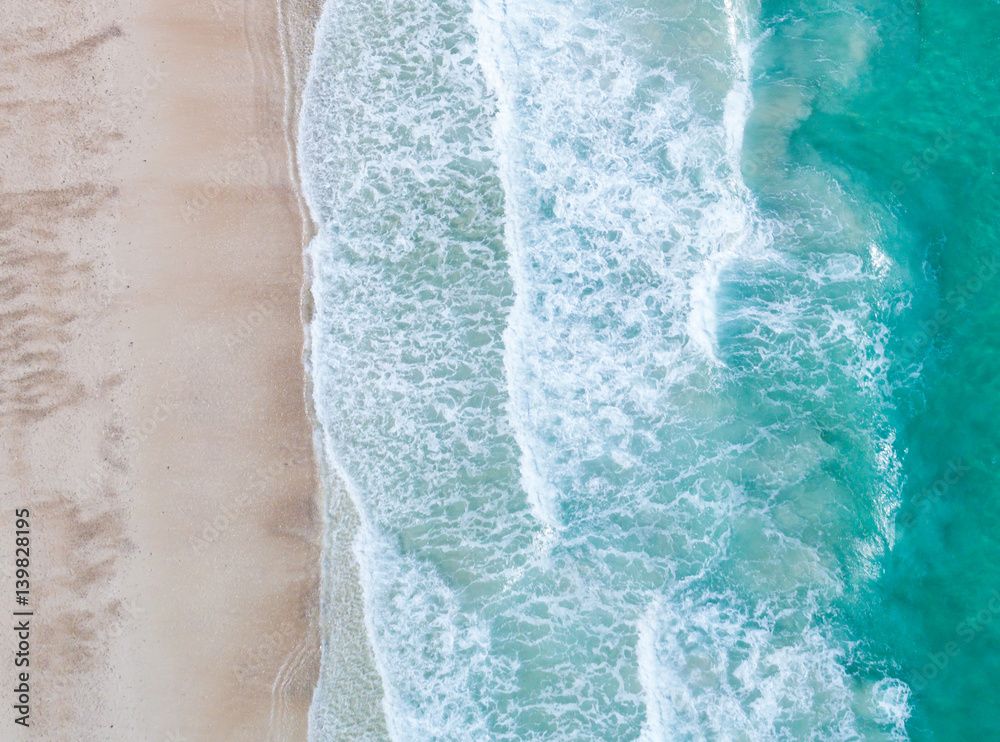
655,343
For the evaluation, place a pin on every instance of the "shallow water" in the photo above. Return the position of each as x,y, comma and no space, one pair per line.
654,344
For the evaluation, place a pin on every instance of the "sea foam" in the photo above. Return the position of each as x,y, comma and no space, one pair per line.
588,395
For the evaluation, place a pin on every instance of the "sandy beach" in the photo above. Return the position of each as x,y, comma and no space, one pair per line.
153,408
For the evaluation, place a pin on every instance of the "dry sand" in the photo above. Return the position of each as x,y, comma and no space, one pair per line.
153,414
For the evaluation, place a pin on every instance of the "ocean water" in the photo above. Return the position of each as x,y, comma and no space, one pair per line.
656,346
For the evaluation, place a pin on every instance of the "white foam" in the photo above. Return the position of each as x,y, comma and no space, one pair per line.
712,670
891,699
409,303
585,532
591,175
735,205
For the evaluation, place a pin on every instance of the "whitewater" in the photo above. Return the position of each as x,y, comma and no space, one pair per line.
605,374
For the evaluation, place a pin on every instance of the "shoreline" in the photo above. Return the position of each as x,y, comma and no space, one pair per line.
348,694
163,436
260,661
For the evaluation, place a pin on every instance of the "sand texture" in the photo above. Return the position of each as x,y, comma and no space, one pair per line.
153,409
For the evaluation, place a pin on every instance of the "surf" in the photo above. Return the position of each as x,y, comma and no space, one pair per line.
608,413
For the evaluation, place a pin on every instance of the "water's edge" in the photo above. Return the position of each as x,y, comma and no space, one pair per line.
347,700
